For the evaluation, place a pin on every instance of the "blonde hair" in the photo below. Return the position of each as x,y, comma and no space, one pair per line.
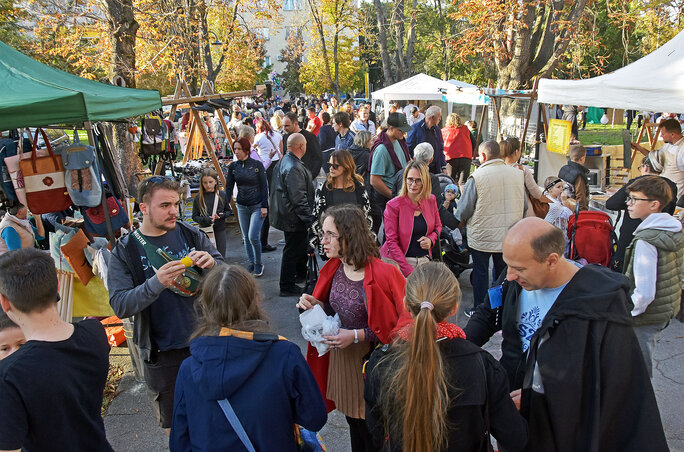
424,176
276,122
415,398
454,120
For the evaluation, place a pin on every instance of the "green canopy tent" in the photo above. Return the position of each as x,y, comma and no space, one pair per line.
34,94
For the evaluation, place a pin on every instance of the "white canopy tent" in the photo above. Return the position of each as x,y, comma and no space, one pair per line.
653,83
431,89
418,87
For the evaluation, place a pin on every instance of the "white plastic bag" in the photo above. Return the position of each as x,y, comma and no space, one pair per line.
316,324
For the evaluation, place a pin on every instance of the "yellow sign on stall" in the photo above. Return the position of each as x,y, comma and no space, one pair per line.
558,140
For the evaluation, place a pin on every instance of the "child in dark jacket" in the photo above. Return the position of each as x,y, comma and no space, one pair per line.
575,175
235,357
446,411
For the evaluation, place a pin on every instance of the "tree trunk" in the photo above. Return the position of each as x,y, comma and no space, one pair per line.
382,37
411,42
398,24
124,28
336,62
318,19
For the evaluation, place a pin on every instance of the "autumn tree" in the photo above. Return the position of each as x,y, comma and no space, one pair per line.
292,56
332,20
524,38
347,67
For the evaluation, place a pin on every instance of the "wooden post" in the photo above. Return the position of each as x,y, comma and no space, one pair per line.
498,119
222,119
479,130
529,112
209,146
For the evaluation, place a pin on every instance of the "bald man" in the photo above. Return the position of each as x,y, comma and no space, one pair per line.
568,347
291,206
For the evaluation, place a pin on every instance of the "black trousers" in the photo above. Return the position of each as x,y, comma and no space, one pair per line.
361,439
160,375
266,225
294,259
459,169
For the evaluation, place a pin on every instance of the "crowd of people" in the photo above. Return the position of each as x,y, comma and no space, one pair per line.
404,376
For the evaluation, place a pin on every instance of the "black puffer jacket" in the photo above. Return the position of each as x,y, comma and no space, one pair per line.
474,380
292,195
250,177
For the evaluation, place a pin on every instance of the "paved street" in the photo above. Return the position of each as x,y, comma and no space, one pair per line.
131,424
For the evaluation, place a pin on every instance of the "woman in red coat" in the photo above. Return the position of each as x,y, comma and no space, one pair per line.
368,295
458,150
412,224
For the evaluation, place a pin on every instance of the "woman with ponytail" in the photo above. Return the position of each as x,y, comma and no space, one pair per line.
432,390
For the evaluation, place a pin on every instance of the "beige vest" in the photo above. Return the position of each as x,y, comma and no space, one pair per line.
500,204
671,171
25,232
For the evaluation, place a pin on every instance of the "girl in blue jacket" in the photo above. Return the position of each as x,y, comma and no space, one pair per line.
235,356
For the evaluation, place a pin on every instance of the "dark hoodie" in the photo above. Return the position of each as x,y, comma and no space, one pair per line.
267,382
597,393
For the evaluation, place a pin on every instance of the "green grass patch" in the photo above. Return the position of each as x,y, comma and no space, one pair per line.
82,135
605,135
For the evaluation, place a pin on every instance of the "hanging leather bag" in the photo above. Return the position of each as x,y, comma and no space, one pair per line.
44,183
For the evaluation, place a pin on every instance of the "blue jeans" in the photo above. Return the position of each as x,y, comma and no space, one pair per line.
481,273
250,223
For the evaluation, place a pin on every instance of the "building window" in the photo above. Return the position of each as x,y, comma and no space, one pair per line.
267,61
292,5
263,33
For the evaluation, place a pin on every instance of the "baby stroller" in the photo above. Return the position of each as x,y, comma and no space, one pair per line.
454,255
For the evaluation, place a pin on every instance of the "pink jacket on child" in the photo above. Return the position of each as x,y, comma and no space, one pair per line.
399,227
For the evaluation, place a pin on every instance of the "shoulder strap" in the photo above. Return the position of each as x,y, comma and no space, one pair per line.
235,423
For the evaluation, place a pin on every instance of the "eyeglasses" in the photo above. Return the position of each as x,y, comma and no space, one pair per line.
410,181
633,200
158,179
327,236
334,165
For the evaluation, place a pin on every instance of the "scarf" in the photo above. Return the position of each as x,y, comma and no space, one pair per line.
384,139
444,330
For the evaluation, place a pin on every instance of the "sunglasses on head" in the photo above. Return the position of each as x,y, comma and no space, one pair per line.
158,179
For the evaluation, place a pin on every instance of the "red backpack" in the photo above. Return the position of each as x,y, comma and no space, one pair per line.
592,237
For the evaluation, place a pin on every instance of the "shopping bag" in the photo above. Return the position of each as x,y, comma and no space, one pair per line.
44,183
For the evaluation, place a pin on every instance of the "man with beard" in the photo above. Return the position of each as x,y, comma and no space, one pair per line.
153,276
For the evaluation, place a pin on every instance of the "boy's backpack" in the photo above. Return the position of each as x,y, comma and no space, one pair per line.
81,175
152,140
592,237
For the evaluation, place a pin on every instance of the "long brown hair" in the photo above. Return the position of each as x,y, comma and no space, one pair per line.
415,399
229,297
344,158
357,244
208,172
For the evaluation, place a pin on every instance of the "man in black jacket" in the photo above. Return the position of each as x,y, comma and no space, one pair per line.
568,348
313,159
148,281
291,201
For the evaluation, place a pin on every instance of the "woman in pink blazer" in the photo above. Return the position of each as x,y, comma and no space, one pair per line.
412,223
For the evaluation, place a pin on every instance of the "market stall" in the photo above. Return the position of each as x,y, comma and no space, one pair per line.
36,95
652,83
